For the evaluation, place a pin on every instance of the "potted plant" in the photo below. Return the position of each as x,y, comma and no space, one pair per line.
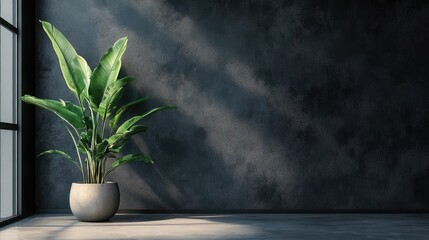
93,123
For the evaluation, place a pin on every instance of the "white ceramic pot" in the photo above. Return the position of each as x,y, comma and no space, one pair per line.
94,202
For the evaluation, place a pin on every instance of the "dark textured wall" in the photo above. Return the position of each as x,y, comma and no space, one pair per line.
282,104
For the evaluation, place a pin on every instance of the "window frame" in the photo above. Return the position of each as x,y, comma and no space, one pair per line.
12,126
25,32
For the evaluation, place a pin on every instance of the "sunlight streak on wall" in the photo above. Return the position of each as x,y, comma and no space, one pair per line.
240,143
196,47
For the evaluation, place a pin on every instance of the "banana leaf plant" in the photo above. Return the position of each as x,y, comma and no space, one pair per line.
93,121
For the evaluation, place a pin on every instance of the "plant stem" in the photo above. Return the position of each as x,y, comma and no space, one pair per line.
93,142
78,154
104,127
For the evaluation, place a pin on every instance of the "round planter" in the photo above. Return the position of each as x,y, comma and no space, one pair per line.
94,202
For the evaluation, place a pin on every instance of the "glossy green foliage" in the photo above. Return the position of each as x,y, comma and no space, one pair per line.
91,122
67,111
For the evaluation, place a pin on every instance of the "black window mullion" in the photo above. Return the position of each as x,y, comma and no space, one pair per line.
9,26
8,126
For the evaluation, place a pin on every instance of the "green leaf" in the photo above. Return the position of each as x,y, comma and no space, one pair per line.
59,153
112,96
130,122
72,107
118,94
101,149
66,56
130,158
118,138
88,122
115,149
82,71
106,72
122,110
84,144
67,111
82,148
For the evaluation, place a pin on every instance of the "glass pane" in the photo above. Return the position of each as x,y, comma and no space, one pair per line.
8,11
7,76
7,173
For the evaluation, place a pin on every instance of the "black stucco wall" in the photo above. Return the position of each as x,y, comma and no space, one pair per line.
282,104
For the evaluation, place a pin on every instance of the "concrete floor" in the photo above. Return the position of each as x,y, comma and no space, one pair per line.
239,226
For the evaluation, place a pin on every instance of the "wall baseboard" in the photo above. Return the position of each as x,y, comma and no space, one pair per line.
252,211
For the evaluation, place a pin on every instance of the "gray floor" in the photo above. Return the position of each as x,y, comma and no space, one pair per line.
239,226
